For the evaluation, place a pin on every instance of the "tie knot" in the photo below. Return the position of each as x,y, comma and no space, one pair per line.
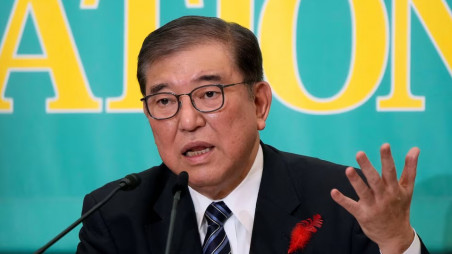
217,213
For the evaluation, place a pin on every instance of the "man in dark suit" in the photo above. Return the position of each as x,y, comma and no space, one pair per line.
206,101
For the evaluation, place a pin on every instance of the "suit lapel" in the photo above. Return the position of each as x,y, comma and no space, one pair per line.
278,207
186,237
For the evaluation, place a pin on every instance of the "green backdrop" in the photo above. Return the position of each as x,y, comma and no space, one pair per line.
49,161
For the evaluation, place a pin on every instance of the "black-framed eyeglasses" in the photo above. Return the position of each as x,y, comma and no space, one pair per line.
205,99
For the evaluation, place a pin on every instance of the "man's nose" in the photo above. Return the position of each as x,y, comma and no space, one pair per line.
189,117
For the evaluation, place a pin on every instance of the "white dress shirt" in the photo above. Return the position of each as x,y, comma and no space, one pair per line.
242,202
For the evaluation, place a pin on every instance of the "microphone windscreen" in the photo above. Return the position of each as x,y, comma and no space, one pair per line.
130,182
182,182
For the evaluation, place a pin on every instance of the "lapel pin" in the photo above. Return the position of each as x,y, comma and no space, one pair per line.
302,232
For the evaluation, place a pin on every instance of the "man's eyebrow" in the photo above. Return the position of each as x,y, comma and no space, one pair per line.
214,78
157,88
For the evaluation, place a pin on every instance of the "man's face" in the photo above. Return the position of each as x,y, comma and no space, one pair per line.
217,149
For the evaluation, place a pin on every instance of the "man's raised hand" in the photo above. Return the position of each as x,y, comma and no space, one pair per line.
383,208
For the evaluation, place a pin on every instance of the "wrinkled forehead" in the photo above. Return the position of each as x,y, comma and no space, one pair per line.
225,48
197,64
188,45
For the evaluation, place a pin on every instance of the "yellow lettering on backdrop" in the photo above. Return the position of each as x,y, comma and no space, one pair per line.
369,53
194,3
400,97
141,18
61,59
89,4
238,11
437,21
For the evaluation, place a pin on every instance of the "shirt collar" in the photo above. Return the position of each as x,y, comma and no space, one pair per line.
241,201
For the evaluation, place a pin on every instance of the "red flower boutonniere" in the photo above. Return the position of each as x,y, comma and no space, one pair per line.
302,232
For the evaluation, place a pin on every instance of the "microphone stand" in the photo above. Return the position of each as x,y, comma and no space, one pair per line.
127,183
172,219
75,224
181,184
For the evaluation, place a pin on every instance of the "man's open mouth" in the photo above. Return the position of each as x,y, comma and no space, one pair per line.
196,151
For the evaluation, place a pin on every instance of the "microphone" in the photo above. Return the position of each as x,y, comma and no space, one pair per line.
181,184
129,182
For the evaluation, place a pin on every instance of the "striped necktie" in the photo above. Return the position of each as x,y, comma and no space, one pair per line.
216,241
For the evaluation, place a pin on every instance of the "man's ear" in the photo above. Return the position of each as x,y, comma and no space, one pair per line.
262,101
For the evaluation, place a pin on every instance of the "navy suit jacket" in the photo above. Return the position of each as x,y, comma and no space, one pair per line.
293,188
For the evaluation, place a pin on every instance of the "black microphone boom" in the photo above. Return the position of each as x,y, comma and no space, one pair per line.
127,183
181,184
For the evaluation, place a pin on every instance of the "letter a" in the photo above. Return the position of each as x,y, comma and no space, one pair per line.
61,59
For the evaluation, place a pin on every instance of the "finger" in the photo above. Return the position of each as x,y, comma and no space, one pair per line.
388,169
409,171
372,176
362,190
347,203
